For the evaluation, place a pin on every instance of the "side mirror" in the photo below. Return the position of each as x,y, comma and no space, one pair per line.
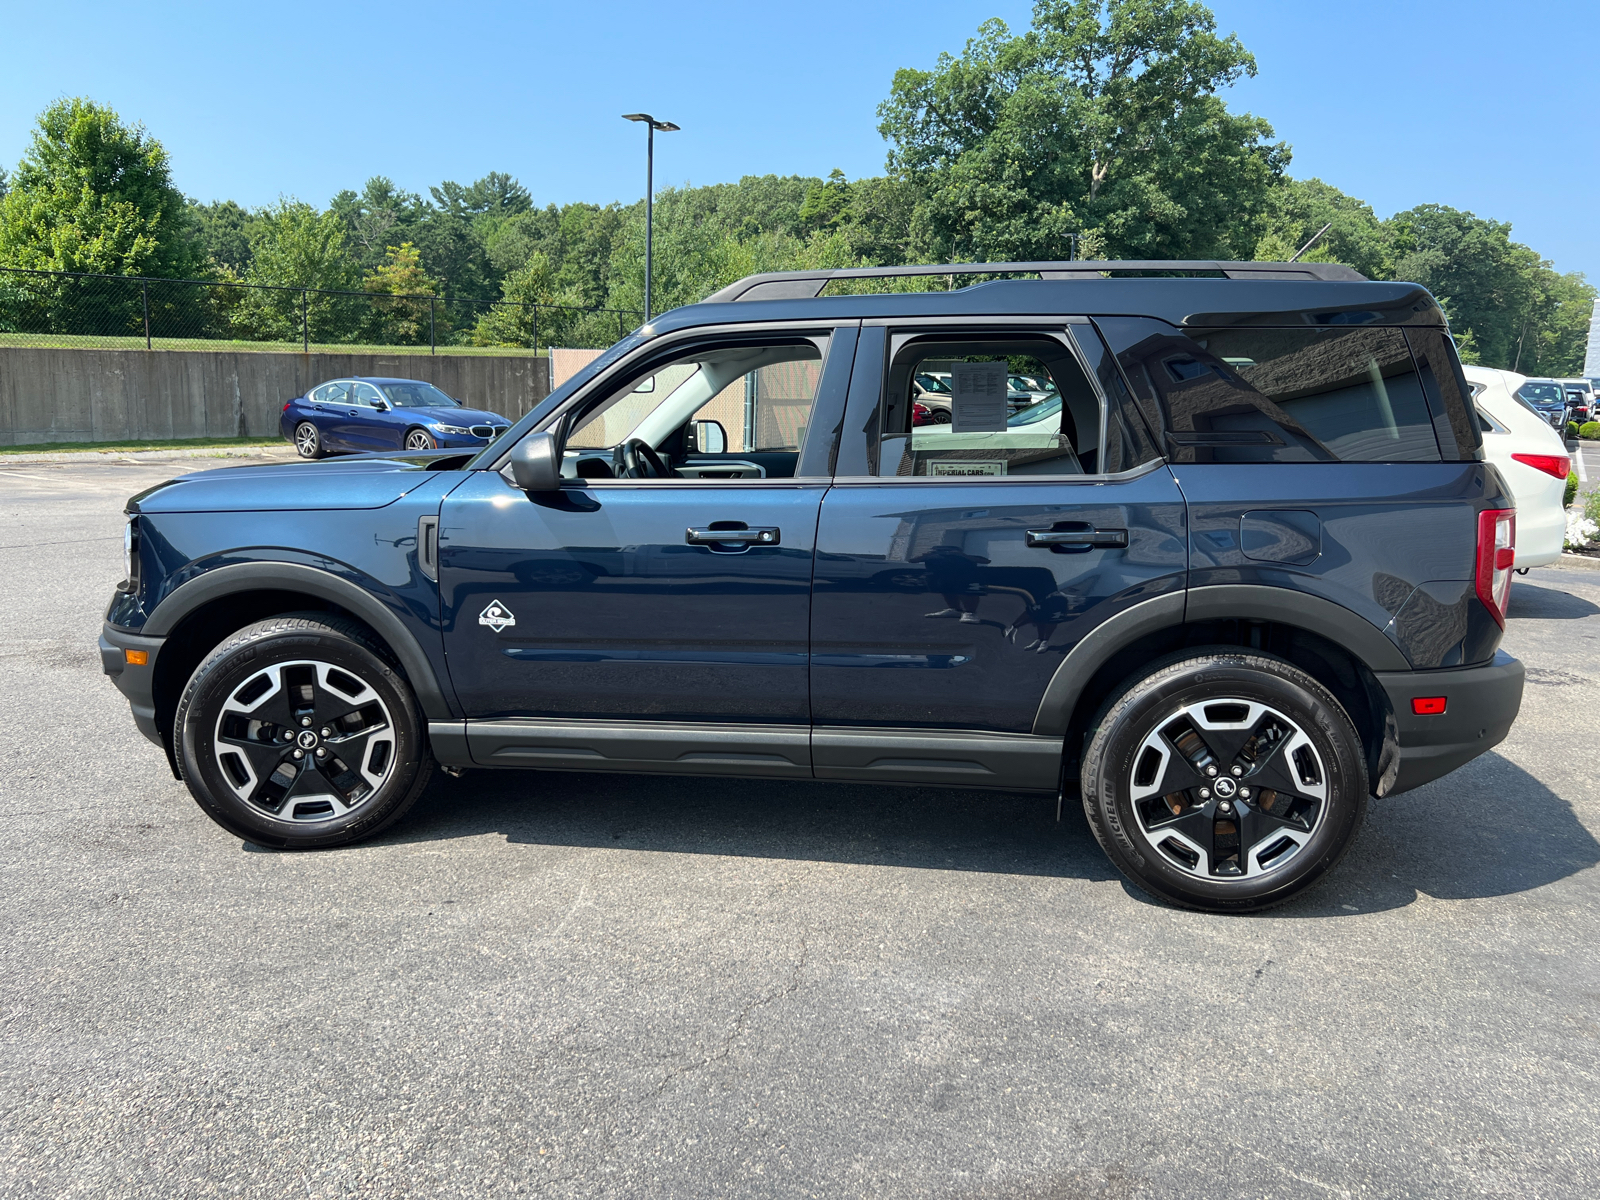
380,406
710,437
536,463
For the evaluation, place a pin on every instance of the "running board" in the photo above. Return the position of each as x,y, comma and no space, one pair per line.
951,758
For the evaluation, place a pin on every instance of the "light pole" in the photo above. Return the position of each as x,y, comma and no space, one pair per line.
651,125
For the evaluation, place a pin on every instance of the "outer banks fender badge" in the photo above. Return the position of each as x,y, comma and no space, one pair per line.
497,617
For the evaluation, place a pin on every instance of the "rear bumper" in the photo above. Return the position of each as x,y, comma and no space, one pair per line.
1481,704
136,682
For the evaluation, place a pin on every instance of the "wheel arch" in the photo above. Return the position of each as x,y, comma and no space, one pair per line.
206,609
1339,648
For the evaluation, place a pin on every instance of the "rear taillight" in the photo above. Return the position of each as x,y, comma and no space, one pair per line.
286,404
1551,464
1497,555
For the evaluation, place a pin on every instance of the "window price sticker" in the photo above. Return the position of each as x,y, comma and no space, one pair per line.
978,397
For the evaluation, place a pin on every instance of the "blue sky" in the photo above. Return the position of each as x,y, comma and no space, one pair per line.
1487,107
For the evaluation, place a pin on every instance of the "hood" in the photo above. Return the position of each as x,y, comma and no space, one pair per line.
457,416
367,481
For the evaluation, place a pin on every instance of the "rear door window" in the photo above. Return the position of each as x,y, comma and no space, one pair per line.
951,407
1285,395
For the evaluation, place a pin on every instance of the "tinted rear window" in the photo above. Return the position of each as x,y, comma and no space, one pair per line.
1287,395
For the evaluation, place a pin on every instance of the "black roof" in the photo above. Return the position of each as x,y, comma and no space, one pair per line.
1193,302
795,285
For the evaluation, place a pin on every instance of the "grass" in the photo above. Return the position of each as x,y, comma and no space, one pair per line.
156,444
76,342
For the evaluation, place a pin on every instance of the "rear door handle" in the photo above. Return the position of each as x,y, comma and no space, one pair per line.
1077,539
760,536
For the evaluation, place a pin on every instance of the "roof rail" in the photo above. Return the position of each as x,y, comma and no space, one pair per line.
804,285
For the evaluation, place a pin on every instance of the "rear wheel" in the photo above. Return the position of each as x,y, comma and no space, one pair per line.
298,732
1225,781
307,441
420,439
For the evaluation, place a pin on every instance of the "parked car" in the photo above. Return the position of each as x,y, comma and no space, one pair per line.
927,414
1580,399
1532,457
1252,570
365,414
1547,398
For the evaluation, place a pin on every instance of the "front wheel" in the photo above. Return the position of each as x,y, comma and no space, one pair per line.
1225,781
420,439
298,732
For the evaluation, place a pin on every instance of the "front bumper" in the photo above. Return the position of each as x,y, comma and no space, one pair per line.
1481,703
136,681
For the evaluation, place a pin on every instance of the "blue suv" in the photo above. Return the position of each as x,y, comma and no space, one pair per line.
365,413
1243,569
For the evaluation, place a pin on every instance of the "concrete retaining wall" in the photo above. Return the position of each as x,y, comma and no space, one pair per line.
118,395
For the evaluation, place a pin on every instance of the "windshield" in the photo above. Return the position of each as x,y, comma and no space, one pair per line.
413,393
932,383
1540,393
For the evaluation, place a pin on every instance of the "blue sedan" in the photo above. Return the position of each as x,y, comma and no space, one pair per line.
365,414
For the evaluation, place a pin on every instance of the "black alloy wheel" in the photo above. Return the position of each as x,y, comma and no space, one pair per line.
420,439
1225,781
307,441
298,732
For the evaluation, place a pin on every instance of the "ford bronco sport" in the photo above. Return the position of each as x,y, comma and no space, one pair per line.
1238,568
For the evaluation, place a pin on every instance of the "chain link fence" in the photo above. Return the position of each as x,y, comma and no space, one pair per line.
64,308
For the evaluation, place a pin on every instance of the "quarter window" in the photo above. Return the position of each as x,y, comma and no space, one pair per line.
1286,395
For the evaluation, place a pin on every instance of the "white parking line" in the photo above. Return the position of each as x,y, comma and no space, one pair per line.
1577,459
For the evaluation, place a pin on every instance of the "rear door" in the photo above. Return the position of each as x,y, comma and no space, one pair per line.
958,562
356,422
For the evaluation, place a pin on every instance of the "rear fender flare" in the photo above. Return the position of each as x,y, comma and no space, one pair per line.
1247,602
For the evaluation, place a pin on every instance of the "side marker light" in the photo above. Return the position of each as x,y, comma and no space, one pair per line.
1428,706
136,658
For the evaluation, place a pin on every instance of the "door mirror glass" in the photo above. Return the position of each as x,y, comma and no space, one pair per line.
710,437
536,463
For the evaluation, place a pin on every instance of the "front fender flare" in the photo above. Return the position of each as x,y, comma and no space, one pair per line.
324,585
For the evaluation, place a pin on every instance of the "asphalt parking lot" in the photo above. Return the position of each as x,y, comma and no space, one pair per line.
590,986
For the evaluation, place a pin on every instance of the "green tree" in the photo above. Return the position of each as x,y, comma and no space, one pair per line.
516,322
1102,119
400,316
1554,338
1486,282
94,195
1301,207
298,254
222,230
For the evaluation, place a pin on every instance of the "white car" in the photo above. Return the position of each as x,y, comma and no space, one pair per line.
1530,456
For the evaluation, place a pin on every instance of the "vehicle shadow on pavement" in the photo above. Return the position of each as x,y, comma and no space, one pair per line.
1488,829
1001,832
1530,601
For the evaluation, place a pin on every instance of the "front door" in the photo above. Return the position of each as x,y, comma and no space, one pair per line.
958,561
655,613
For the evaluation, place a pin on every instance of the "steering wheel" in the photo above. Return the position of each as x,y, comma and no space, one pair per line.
637,459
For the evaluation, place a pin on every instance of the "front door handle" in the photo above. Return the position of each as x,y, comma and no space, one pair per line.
711,535
1082,538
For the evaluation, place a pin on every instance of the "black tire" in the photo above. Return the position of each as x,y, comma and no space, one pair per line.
419,439
308,441
362,749
1190,846
941,416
